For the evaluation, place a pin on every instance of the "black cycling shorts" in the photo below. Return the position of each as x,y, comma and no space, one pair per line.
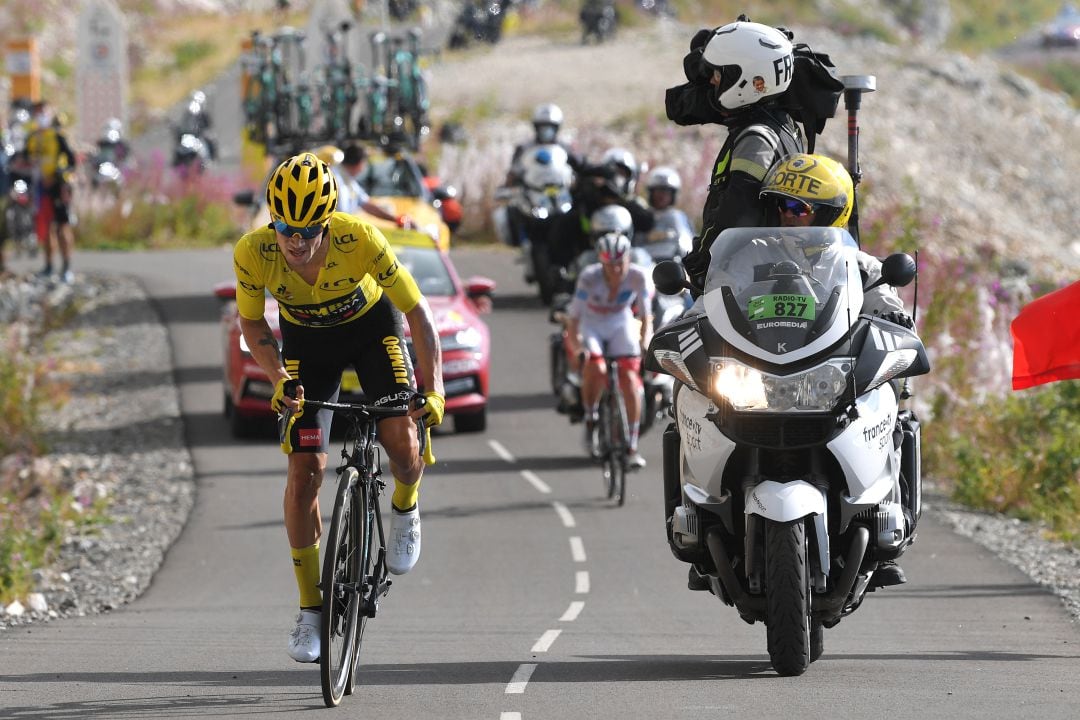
373,345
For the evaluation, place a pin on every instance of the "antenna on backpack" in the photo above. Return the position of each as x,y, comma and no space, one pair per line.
854,87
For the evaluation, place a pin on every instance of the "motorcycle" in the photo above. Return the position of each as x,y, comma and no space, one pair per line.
480,20
671,237
657,387
791,471
190,156
598,20
542,197
19,217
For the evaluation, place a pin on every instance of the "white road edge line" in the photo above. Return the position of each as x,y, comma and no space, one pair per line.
520,679
564,514
581,582
577,549
546,640
573,611
536,482
510,716
501,451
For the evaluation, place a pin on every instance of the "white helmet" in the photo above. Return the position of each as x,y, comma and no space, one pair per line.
612,247
623,158
547,114
611,219
664,178
546,121
755,61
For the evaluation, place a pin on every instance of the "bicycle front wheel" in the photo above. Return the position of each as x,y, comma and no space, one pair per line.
373,572
341,587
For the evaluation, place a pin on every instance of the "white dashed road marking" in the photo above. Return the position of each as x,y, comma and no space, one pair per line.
581,582
501,451
536,482
573,611
577,549
564,514
520,679
545,641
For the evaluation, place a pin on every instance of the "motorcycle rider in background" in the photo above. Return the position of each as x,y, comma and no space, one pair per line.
607,297
196,121
611,182
736,76
547,118
662,192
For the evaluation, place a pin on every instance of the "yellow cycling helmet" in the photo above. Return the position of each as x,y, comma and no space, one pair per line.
819,181
302,192
329,154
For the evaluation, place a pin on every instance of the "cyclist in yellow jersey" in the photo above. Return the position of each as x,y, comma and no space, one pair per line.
342,296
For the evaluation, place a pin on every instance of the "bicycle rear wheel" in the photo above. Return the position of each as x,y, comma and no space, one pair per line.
341,582
373,572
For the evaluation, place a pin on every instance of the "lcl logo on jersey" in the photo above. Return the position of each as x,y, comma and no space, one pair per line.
345,243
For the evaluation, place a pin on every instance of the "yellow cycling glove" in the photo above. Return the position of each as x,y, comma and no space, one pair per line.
277,402
436,406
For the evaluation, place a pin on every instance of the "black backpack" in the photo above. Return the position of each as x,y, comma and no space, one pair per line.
815,90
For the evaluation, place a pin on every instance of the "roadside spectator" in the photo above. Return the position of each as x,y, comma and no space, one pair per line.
54,163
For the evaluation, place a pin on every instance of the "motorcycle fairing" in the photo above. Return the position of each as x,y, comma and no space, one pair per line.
809,275
705,449
865,452
886,350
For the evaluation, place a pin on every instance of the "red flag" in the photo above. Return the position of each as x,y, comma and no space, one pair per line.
1046,339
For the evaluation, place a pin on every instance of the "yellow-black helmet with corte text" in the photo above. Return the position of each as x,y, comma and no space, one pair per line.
816,180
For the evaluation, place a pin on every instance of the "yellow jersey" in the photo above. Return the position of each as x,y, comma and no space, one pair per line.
359,267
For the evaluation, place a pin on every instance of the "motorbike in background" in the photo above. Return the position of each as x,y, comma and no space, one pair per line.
598,20
791,470
479,20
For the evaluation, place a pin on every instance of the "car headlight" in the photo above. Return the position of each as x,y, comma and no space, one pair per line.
748,389
464,339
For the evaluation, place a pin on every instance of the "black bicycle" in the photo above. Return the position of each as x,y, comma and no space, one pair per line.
614,435
354,574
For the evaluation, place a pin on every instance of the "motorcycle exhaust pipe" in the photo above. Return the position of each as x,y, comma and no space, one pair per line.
828,608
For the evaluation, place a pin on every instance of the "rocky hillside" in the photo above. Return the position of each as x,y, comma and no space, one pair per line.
986,154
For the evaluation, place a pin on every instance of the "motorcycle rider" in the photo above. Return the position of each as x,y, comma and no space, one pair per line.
347,166
196,121
607,296
815,190
662,192
547,118
611,182
737,74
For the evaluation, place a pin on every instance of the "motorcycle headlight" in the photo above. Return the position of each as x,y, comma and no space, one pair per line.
815,390
464,339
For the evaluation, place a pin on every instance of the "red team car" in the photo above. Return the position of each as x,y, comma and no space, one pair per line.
463,335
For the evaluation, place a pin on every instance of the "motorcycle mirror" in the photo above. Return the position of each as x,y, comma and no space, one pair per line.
244,198
897,270
669,278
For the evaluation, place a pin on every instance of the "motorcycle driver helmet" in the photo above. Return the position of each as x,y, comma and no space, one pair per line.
663,178
751,61
625,168
302,193
546,120
611,219
805,183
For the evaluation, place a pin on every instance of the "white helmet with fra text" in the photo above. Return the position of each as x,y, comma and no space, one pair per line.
755,62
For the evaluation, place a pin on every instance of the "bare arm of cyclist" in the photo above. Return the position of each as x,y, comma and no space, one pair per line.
426,341
264,349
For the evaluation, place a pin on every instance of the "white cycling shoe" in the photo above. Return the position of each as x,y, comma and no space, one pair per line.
634,460
304,639
404,541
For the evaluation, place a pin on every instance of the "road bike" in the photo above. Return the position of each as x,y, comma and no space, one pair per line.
354,573
613,428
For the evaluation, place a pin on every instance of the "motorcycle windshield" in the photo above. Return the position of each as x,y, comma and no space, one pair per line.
783,294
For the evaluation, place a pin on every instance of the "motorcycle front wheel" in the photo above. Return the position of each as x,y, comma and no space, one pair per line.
787,595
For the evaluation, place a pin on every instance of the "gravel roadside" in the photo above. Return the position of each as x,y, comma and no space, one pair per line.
121,438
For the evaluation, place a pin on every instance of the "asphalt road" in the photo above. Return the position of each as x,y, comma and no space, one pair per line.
534,598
